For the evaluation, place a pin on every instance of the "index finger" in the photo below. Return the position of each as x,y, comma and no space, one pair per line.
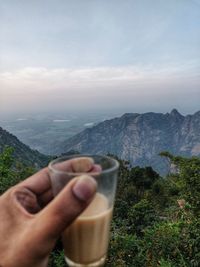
40,182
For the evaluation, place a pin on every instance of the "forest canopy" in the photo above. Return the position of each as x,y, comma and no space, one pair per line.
156,219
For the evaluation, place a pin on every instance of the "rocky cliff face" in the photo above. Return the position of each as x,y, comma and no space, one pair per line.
22,152
139,138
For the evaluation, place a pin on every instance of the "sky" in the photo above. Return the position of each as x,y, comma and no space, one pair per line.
125,55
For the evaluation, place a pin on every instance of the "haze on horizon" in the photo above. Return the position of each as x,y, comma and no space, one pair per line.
91,55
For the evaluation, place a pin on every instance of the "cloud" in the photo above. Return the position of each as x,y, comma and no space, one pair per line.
66,77
49,79
43,88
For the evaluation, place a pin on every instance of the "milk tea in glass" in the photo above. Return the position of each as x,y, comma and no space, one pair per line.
86,240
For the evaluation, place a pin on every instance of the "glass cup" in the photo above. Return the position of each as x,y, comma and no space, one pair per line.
86,240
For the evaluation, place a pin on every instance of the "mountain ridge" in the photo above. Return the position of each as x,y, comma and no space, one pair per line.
21,151
139,138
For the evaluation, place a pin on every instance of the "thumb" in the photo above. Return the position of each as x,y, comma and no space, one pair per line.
66,206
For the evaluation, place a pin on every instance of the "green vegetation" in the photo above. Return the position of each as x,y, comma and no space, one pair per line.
156,220
12,171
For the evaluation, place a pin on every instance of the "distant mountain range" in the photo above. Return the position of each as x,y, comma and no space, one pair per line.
139,138
22,152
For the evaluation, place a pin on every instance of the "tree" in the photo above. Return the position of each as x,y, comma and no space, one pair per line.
143,179
6,172
188,179
140,216
12,171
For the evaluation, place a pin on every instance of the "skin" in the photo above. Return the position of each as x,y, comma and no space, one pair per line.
31,221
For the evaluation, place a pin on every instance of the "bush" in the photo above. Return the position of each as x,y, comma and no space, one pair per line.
125,250
176,243
143,199
57,259
11,171
140,216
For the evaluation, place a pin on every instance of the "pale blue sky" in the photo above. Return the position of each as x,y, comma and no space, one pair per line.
138,55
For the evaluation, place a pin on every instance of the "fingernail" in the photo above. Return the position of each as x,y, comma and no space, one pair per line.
84,188
83,164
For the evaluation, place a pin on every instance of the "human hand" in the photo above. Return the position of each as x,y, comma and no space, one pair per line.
31,220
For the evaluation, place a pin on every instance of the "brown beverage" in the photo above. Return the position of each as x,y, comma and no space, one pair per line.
86,240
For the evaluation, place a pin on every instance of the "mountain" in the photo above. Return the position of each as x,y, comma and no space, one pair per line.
139,138
22,152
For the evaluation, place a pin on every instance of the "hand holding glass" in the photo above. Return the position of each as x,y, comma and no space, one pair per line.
86,240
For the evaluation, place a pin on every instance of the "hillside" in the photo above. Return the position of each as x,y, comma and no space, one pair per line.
21,151
139,138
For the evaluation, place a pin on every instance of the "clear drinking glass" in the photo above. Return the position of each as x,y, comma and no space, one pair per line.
86,241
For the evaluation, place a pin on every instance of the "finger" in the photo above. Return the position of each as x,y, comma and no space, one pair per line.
66,206
96,168
47,196
39,182
82,164
76,165
64,166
